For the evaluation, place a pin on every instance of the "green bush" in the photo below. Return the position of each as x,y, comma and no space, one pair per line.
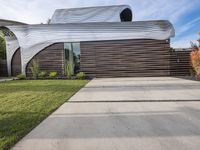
69,68
35,69
42,74
2,48
53,74
81,75
21,76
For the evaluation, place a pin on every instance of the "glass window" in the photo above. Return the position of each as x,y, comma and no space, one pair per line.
76,52
72,57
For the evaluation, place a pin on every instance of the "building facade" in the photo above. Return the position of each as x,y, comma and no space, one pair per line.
100,41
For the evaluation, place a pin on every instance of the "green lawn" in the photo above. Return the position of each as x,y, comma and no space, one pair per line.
24,104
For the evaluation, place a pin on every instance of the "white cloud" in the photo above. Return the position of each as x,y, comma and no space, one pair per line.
184,42
188,26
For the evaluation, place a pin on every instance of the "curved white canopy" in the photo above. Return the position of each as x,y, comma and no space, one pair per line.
90,14
4,23
11,46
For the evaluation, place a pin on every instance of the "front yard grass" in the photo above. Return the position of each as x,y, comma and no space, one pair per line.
24,104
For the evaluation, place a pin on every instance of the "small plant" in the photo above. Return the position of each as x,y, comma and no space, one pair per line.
195,61
69,69
35,68
81,75
42,74
21,76
53,74
195,58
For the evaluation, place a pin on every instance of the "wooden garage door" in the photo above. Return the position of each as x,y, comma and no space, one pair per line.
125,58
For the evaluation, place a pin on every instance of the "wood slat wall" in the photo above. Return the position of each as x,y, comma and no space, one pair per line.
125,58
50,59
180,63
16,63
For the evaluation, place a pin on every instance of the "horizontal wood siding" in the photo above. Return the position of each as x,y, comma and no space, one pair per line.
180,63
125,58
50,59
16,63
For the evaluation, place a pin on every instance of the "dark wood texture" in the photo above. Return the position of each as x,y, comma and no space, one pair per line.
16,63
125,58
180,63
50,59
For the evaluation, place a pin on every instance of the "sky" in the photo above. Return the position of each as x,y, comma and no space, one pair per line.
183,14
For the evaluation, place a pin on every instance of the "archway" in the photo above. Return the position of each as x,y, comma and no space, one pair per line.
11,52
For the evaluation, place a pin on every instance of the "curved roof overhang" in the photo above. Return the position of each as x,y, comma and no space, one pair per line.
29,35
4,23
115,13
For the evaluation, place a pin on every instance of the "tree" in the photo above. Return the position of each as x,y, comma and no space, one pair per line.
195,57
4,32
2,48
49,21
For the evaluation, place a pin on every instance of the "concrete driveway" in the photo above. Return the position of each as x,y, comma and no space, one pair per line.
124,114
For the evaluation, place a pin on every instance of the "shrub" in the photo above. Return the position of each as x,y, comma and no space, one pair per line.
53,74
195,61
21,76
2,48
35,68
81,75
195,58
42,74
69,69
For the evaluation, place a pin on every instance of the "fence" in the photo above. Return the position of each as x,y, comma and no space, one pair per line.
180,63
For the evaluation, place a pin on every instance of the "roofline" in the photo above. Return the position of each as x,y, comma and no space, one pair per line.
12,21
76,8
95,23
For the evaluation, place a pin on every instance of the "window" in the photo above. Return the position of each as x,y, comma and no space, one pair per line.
72,56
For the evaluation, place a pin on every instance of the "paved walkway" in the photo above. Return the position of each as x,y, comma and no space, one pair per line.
2,79
139,89
123,114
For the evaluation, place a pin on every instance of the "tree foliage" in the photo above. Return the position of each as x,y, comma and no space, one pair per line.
2,48
195,57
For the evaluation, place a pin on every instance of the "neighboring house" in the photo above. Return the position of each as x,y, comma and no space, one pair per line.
100,41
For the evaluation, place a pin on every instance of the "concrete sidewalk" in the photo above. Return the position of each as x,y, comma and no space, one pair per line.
139,89
100,124
2,79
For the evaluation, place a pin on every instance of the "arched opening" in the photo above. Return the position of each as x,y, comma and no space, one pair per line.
10,53
3,66
126,15
2,44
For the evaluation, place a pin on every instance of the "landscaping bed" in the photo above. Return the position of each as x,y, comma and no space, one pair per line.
24,104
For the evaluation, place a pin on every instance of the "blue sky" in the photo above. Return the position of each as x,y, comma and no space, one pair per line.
184,14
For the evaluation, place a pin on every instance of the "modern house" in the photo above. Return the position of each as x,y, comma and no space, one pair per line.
100,41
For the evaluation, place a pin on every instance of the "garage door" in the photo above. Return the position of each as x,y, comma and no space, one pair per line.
125,58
